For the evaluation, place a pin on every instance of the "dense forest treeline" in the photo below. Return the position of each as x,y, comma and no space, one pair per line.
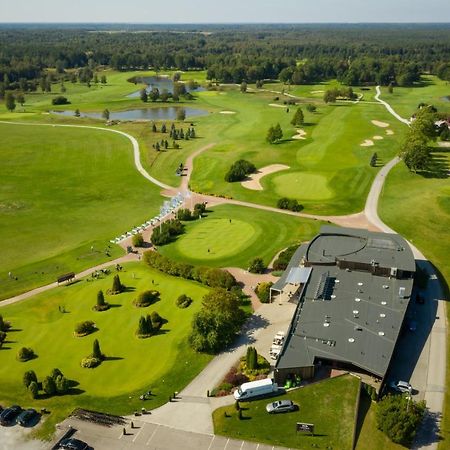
297,54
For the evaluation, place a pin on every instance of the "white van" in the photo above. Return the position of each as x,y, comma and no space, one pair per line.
255,389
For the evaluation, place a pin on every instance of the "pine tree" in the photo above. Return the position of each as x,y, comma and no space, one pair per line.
299,118
96,352
154,129
10,102
142,328
143,95
163,128
192,133
106,114
62,384
101,304
278,132
117,286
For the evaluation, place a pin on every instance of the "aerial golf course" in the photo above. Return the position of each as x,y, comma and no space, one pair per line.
67,191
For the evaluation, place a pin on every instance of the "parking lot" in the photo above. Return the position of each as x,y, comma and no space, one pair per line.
153,437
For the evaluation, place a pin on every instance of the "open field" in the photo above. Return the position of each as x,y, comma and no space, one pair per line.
164,363
329,405
235,235
64,190
417,206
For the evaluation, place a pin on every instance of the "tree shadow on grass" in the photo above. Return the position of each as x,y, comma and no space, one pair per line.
364,406
438,168
112,358
115,305
128,289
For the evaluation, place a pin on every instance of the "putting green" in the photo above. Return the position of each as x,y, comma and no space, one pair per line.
302,186
217,238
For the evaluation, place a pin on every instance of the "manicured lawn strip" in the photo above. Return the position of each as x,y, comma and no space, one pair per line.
418,208
164,363
329,405
63,190
251,233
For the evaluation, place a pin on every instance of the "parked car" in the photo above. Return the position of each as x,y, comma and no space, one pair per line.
401,386
73,444
27,417
8,415
281,406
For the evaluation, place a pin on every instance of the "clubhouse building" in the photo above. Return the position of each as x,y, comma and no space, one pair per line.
353,288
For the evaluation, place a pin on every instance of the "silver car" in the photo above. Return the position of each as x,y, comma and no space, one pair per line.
281,406
401,386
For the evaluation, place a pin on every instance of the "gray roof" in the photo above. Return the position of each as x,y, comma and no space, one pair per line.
294,262
356,245
349,316
298,275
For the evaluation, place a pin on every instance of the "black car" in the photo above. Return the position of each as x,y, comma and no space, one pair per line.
73,444
27,417
8,415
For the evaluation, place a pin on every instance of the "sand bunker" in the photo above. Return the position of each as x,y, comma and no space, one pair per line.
227,112
317,92
444,144
277,106
378,138
367,143
377,123
253,181
300,135
389,132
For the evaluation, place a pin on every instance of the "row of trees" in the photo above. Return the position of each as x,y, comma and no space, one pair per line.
209,276
289,203
331,95
4,328
415,150
167,232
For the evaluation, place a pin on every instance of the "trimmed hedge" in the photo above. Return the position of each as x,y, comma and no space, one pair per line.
209,276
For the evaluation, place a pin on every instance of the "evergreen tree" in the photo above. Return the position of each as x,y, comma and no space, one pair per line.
143,95
106,114
49,386
10,102
77,113
33,389
299,118
56,373
4,326
243,87
96,352
100,300
270,138
28,377
62,384
117,286
278,132
154,129
20,99
163,128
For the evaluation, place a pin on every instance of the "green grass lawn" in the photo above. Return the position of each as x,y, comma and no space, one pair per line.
164,362
330,172
418,207
329,405
431,90
251,233
64,190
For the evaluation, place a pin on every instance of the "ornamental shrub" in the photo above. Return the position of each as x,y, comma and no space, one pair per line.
25,354
146,298
28,377
183,301
84,328
138,240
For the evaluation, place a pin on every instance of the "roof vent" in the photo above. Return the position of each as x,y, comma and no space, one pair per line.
357,299
382,315
383,303
360,284
326,324
381,333
351,339
385,286
355,311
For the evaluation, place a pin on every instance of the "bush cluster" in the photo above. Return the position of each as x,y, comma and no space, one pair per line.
54,384
257,266
146,298
149,325
137,240
289,203
239,170
183,301
167,232
209,276
284,257
263,291
84,328
25,354
398,417
90,362
60,100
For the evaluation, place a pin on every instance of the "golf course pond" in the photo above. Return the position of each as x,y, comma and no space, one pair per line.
161,83
157,113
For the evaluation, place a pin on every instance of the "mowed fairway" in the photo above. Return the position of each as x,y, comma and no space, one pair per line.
234,235
64,190
329,405
329,170
163,362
